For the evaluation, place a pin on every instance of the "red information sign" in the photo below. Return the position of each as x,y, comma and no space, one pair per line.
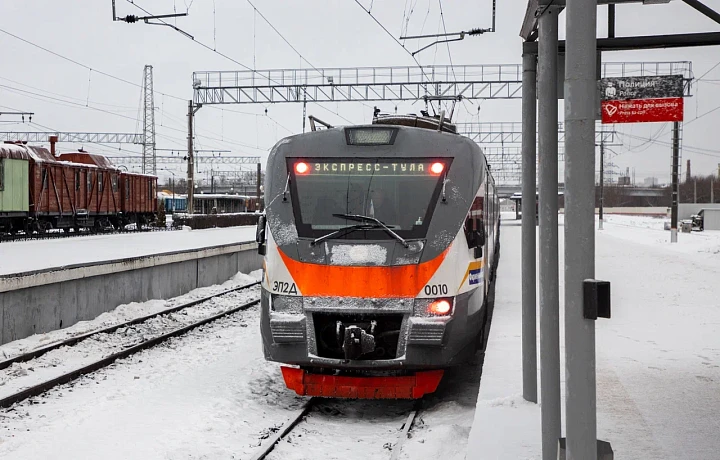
642,99
643,110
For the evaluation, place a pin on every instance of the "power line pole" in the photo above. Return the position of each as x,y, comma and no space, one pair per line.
190,160
259,182
675,167
149,158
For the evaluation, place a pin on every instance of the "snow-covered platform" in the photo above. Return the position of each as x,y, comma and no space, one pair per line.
658,357
50,284
29,256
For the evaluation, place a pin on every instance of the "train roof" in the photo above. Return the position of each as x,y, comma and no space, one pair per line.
85,158
21,151
26,152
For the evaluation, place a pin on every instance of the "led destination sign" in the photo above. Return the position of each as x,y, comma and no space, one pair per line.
369,169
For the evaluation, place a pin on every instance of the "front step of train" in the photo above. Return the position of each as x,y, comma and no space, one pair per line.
352,386
356,343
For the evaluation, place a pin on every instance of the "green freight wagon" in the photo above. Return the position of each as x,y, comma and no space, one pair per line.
14,193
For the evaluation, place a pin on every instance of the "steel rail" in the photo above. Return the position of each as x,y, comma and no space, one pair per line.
294,420
79,338
104,362
263,451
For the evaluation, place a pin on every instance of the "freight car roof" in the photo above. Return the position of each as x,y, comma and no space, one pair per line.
87,159
26,152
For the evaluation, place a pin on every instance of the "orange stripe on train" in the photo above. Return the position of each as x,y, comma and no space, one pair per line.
378,282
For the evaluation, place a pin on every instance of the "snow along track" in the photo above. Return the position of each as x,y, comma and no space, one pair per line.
114,342
8,237
315,405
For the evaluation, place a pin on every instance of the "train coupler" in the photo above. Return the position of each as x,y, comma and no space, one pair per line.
356,342
413,386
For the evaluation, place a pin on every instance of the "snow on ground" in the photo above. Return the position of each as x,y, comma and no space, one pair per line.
648,231
20,376
658,357
120,314
25,256
206,395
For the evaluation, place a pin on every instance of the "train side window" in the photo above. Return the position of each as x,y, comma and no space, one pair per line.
114,182
43,175
89,180
100,182
77,179
2,174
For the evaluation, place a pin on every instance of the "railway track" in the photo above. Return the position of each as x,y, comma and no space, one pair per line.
126,349
305,411
6,237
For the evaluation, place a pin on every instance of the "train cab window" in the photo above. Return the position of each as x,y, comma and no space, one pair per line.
2,174
77,179
100,182
89,181
43,175
114,182
401,194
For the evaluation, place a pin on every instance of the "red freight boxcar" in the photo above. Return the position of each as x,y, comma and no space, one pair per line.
72,190
138,197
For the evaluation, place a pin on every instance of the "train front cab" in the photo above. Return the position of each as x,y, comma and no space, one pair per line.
370,331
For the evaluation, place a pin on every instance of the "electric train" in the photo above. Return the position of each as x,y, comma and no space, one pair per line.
379,246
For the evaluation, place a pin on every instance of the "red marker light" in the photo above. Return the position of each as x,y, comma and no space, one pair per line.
437,168
440,307
301,168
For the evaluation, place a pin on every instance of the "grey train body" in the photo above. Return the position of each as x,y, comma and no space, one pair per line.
444,250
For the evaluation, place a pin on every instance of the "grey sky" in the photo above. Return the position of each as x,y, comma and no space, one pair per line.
328,34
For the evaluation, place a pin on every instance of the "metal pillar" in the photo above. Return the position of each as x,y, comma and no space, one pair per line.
602,181
580,113
548,215
259,183
675,185
529,284
191,161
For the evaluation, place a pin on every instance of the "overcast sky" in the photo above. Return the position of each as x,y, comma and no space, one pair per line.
331,33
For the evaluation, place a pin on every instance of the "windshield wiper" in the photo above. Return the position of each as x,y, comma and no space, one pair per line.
360,218
344,231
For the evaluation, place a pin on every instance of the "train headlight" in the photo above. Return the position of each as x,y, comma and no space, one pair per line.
437,168
286,304
440,307
301,167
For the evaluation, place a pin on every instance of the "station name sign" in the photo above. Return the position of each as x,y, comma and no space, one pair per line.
642,99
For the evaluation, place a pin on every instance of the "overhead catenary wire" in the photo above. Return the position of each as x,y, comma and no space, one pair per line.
114,77
395,40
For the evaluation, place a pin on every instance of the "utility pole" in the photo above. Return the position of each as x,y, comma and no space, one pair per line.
602,178
149,156
259,182
675,167
191,159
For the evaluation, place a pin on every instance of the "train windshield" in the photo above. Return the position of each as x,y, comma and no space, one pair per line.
401,193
